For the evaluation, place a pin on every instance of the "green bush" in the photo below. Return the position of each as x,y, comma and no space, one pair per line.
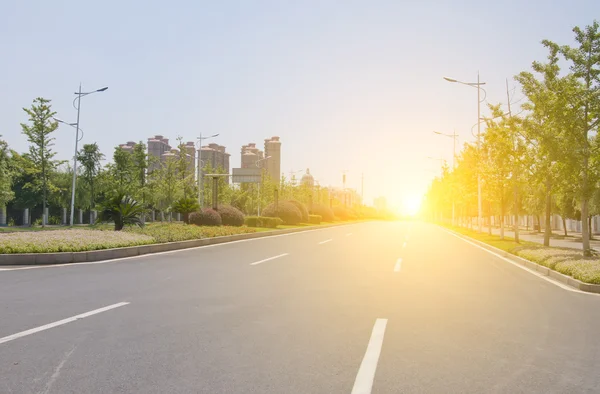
206,217
302,208
231,216
344,213
325,212
54,220
286,211
185,206
314,219
122,210
262,221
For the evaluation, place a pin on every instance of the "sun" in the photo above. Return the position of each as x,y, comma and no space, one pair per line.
411,204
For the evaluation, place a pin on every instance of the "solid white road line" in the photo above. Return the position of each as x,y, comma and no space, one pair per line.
324,242
398,265
60,322
539,275
366,373
269,259
171,251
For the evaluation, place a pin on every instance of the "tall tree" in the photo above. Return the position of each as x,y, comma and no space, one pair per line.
585,66
38,133
140,165
89,157
122,170
6,175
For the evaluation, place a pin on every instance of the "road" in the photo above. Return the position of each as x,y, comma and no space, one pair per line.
379,307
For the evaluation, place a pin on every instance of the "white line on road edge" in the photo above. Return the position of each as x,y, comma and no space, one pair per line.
60,322
366,373
173,251
324,242
398,265
539,275
269,259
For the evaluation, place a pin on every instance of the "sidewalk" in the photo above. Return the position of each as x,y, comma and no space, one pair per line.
573,241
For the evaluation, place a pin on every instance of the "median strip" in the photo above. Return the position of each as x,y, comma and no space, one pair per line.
269,259
60,322
366,373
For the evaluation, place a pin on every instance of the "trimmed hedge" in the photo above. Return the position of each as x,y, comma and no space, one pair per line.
206,217
231,216
286,211
314,219
344,213
262,221
325,212
302,208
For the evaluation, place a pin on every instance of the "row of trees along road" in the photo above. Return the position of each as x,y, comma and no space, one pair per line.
542,160
36,179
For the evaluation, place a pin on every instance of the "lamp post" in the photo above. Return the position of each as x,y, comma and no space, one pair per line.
199,175
260,182
476,85
454,136
79,95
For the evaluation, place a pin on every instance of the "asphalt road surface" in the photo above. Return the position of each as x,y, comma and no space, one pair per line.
379,307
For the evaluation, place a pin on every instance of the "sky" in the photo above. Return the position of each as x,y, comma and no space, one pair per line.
351,86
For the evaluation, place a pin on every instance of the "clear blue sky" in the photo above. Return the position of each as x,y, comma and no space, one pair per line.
347,85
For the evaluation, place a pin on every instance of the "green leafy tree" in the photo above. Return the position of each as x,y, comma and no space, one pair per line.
122,170
140,165
584,62
89,157
6,175
38,131
164,185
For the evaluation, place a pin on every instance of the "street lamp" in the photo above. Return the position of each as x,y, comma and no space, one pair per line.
260,182
200,175
79,95
476,85
454,136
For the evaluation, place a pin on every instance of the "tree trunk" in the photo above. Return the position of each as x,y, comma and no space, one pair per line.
564,222
590,227
502,218
585,235
516,229
548,229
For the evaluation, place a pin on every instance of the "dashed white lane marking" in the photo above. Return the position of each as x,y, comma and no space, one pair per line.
366,373
269,259
398,266
349,234
324,242
60,322
404,245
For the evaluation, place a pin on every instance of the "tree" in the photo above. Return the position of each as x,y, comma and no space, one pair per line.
38,134
89,157
585,98
6,175
164,185
122,210
140,165
122,170
185,169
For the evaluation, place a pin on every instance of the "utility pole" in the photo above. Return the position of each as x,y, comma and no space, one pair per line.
515,169
362,188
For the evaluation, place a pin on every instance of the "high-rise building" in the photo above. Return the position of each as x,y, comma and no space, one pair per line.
159,150
250,155
380,203
273,164
215,155
128,147
157,147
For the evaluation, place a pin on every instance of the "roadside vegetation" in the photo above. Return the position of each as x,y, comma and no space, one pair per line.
566,261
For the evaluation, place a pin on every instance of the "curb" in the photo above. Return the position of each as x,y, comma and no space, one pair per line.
565,279
130,251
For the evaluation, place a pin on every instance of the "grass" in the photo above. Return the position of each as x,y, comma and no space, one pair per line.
566,261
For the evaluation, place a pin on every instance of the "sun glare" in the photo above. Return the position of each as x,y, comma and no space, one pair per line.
411,205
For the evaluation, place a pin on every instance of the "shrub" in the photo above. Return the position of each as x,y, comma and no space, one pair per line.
344,213
185,206
314,219
325,212
54,220
231,216
302,208
206,217
122,210
262,221
286,211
